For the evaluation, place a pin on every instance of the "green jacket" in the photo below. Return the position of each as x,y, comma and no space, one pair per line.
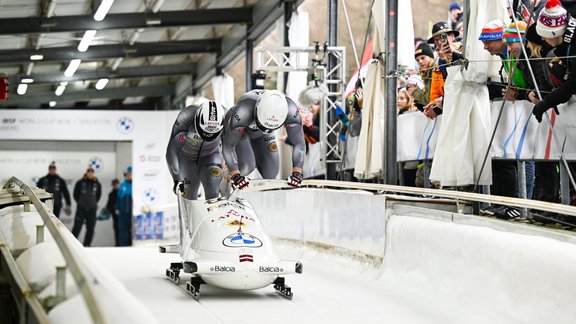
423,96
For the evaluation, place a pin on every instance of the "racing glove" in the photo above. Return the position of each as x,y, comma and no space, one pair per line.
178,187
539,110
295,179
239,181
67,210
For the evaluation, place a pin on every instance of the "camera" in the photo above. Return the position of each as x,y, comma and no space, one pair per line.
444,38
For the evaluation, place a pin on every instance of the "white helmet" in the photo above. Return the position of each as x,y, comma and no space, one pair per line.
210,120
271,111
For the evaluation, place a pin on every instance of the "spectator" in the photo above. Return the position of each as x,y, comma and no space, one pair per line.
354,104
547,178
513,37
405,104
124,207
111,207
418,41
552,27
87,192
311,123
425,58
55,185
504,172
455,15
460,30
443,37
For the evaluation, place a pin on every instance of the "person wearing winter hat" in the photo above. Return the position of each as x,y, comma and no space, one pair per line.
557,28
491,37
552,22
87,192
56,185
425,58
536,44
513,37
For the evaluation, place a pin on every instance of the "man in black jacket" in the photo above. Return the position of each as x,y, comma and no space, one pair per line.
87,193
111,207
557,28
55,185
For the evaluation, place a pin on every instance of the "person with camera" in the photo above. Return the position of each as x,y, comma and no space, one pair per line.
443,38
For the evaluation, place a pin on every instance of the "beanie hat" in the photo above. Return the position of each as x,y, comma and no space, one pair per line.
416,80
493,30
511,33
424,49
553,20
52,165
454,5
533,37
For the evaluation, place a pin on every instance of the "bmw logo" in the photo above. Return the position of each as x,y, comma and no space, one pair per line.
96,163
125,125
242,240
150,196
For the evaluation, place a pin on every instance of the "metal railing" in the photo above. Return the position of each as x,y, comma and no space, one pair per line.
27,302
71,252
430,193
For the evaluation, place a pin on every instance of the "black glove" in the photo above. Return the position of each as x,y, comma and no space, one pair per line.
295,179
539,110
178,187
558,69
239,181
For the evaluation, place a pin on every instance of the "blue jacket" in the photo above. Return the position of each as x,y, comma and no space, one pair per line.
124,201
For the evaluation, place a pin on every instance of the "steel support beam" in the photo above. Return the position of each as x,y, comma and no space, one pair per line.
390,167
58,24
121,73
100,52
331,116
249,67
264,16
34,99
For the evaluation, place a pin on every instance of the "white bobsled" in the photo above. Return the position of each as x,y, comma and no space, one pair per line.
223,244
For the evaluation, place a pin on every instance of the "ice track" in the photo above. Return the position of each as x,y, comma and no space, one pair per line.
369,261
329,291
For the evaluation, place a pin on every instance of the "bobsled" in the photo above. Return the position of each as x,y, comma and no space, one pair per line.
223,244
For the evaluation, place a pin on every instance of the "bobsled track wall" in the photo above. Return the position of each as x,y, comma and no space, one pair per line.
518,272
422,265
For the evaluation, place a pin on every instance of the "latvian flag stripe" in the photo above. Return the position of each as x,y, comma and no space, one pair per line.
246,258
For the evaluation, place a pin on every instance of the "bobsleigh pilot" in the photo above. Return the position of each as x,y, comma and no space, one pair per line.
249,141
194,152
